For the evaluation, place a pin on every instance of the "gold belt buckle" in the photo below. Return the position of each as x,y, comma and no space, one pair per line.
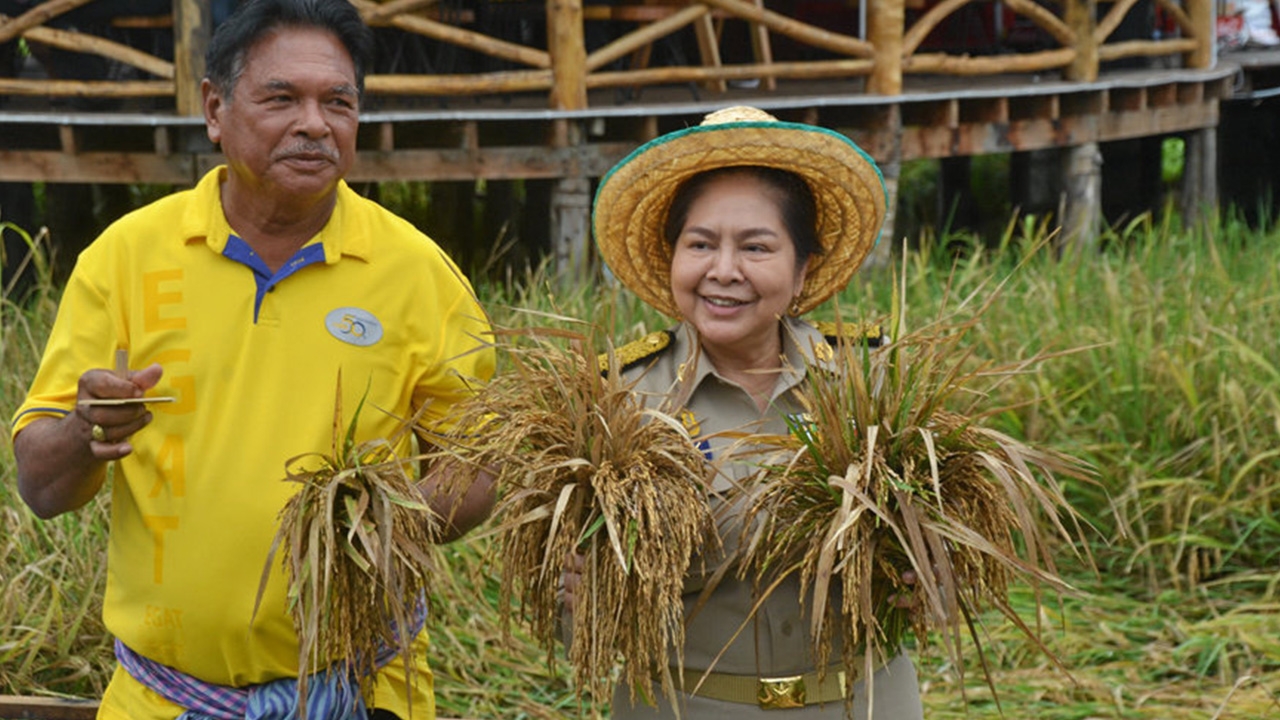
781,693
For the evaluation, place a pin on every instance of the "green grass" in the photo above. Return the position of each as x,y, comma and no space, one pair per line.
1170,388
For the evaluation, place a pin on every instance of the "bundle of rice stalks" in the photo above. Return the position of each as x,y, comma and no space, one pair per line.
356,542
587,472
891,472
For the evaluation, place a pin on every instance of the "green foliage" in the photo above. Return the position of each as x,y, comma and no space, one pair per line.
1173,159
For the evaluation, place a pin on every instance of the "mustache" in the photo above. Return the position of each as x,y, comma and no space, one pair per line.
309,148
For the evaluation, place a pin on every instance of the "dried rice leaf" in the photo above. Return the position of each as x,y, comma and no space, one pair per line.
891,471
355,543
584,468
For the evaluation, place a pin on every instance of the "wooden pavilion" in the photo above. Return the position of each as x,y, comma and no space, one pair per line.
559,90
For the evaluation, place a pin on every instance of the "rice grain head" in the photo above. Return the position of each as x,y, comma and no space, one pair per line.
891,471
355,542
586,470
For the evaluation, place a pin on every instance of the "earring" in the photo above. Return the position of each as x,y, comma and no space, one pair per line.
795,307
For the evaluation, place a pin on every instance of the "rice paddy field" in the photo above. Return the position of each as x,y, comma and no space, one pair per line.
1165,377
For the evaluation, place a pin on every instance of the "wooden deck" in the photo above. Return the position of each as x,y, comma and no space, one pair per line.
561,90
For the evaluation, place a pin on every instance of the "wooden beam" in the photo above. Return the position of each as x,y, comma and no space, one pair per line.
794,29
85,43
463,38
20,707
96,167
1112,20
501,163
668,75
459,85
1045,19
644,36
381,13
989,65
39,14
1146,48
87,88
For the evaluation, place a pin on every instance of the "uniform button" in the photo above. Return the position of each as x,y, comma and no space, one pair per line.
786,628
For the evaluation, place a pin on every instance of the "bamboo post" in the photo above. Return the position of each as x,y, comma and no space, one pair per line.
1080,17
568,48
192,29
709,51
762,49
1200,14
571,196
885,32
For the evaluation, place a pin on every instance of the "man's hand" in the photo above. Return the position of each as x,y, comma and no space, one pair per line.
460,506
62,461
110,426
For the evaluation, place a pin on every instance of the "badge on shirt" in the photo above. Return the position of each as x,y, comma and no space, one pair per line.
802,427
694,428
354,326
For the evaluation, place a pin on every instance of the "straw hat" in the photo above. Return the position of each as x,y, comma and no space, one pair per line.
632,202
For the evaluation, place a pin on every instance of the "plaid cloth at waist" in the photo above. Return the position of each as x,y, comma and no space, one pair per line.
331,693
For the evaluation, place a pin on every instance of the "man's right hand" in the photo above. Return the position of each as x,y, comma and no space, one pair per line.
62,461
110,426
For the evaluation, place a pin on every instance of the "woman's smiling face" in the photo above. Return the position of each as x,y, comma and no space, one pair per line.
734,269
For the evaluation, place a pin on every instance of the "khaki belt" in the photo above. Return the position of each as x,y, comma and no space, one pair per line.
769,693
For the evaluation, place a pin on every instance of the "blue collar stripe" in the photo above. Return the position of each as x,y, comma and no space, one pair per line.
265,280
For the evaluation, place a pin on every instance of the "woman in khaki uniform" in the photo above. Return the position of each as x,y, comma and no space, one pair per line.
736,228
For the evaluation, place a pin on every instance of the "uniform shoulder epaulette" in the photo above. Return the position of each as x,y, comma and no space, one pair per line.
871,335
638,351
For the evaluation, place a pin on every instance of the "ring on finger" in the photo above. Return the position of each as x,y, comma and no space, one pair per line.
98,433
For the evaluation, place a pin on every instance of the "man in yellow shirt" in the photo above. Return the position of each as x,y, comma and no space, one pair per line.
243,298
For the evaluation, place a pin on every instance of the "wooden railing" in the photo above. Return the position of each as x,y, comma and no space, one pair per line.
562,66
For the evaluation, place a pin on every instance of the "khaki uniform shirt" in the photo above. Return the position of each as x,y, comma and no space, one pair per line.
776,642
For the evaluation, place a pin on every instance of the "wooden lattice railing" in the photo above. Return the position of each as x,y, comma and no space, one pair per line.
565,70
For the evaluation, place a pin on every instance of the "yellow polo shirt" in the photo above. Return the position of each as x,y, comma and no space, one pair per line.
253,359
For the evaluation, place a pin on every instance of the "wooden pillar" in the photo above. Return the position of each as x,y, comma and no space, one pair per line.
567,46
1082,213
571,229
881,255
571,195
1201,14
1081,17
709,51
1200,176
762,49
884,31
192,29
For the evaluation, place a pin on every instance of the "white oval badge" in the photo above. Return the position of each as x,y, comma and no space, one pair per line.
354,326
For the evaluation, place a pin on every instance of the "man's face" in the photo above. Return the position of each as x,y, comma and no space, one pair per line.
288,130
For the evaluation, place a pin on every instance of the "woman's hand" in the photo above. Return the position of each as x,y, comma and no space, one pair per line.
571,579
907,599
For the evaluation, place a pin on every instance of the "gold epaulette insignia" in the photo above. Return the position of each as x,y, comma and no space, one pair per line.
637,351
871,335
